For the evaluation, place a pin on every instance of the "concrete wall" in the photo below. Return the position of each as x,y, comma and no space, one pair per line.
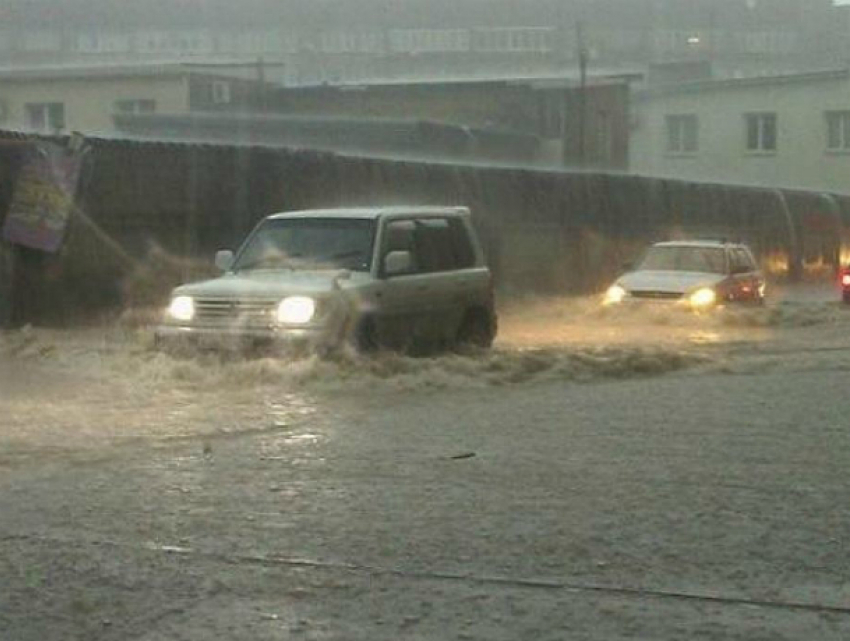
801,159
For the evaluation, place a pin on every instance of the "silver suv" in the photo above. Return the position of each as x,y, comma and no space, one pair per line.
395,277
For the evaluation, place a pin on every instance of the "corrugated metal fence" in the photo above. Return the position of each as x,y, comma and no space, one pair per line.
151,214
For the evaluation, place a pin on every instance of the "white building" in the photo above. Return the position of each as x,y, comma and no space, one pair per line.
784,131
85,98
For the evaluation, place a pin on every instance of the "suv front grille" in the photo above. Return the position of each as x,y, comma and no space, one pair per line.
247,311
656,295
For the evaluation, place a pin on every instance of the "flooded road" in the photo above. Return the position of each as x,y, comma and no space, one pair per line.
594,476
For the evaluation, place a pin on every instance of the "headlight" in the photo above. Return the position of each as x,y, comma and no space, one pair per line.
182,308
703,297
296,310
615,294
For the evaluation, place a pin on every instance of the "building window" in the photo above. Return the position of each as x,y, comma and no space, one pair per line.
604,139
46,117
338,42
761,132
769,42
513,39
838,130
682,133
220,92
135,106
428,40
103,43
42,40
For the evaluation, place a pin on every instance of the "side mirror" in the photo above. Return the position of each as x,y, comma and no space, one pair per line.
224,259
397,263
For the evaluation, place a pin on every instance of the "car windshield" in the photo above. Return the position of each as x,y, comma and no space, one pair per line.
309,243
685,259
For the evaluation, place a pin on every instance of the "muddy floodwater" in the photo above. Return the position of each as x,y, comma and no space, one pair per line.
598,474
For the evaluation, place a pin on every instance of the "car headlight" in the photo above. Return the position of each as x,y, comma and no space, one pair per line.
182,308
615,294
703,297
296,310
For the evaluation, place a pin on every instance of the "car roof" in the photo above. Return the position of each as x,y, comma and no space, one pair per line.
715,244
372,212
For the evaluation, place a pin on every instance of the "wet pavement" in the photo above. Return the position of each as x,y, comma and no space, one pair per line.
666,489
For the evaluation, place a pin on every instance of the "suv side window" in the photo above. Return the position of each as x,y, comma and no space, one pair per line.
464,252
434,242
399,236
740,262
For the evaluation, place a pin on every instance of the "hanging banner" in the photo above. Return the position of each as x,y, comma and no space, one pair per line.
43,198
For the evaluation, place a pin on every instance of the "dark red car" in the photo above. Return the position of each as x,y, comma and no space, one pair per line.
844,280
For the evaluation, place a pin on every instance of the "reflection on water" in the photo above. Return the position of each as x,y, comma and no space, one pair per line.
705,337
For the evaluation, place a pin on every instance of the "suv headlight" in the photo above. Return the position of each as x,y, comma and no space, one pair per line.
182,308
703,297
615,294
296,310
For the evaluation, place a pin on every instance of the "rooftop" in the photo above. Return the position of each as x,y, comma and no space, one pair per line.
740,83
130,69
597,76
370,212
698,243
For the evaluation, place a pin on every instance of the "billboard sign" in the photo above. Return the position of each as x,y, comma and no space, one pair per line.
43,197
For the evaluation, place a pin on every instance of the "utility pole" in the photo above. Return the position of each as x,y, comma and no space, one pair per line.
582,115
261,84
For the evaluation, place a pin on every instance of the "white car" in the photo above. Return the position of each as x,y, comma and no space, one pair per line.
396,277
695,274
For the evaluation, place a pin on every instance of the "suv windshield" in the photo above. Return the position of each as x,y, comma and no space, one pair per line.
685,259
310,243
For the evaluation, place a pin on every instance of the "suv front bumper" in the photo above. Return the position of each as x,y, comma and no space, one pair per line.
203,337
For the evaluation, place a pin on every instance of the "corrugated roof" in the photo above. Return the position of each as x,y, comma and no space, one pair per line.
725,84
122,70
370,212
599,76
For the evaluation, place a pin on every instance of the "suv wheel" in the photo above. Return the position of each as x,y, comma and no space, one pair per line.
476,329
365,337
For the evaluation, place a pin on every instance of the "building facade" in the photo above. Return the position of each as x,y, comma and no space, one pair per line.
523,121
85,98
788,131
535,120
577,127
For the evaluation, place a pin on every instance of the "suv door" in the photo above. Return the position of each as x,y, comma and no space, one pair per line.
442,260
403,301
428,304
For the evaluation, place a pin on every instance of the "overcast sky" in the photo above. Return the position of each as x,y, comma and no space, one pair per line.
292,15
